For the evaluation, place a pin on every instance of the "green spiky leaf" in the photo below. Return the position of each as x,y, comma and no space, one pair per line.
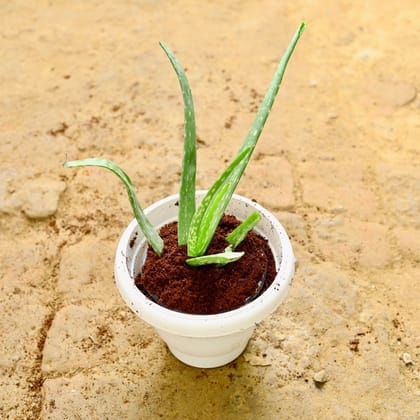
209,213
146,226
220,259
188,174
199,235
240,232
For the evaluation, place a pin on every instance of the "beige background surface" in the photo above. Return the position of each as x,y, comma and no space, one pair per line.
338,163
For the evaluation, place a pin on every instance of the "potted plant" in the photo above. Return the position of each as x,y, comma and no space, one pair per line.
204,267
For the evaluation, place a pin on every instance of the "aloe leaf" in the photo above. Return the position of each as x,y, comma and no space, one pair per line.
267,103
254,133
188,174
221,259
213,214
211,209
240,232
146,226
198,240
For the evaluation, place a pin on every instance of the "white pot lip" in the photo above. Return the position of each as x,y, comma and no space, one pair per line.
218,324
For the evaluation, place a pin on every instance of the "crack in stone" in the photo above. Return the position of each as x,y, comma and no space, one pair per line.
36,380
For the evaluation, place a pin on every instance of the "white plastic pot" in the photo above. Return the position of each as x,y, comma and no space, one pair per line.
204,341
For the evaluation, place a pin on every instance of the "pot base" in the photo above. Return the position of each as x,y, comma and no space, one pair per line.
208,362
207,352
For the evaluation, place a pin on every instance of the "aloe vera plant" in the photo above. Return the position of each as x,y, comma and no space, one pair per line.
196,227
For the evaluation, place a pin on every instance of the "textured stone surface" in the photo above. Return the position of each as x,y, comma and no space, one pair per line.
408,241
15,348
338,186
352,242
273,174
395,94
401,186
75,340
83,337
68,395
86,272
40,197
9,202
337,162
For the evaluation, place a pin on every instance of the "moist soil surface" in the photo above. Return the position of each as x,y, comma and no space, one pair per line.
208,289
337,163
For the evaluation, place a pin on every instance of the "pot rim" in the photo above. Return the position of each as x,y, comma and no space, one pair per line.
206,325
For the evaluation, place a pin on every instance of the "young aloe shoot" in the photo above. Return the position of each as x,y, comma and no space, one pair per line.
234,239
239,234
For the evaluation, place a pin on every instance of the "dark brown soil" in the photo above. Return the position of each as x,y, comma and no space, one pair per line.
169,281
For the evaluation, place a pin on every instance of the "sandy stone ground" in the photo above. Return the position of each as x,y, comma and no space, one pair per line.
338,163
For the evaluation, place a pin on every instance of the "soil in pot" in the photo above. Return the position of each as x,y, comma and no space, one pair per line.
208,289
